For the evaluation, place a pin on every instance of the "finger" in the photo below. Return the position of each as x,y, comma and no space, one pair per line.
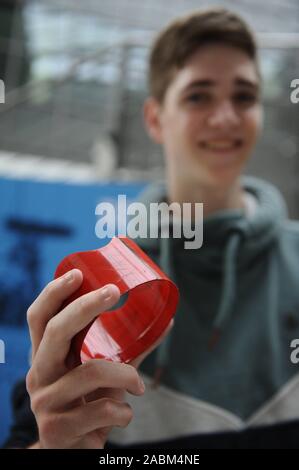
55,344
58,430
101,413
49,302
136,362
87,378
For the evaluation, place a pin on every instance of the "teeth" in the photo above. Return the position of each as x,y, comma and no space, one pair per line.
221,144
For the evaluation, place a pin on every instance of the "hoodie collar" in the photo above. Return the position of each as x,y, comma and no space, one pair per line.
256,231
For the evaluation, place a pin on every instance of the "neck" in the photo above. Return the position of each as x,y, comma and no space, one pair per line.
213,199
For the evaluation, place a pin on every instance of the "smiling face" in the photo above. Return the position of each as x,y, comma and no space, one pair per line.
210,118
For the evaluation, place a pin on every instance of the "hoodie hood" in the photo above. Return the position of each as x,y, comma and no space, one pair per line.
232,240
256,231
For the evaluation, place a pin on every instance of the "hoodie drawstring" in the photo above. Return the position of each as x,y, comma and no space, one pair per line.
228,289
227,299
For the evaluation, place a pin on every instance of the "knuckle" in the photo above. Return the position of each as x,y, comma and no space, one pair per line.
108,409
30,381
84,303
128,415
31,315
38,402
116,414
52,329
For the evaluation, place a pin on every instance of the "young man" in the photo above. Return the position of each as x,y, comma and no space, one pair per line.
223,376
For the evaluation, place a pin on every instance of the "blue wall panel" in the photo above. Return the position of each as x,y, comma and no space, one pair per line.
40,223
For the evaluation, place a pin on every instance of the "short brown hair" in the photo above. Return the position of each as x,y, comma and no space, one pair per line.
184,36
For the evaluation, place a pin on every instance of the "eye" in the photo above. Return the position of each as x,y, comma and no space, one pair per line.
245,98
198,98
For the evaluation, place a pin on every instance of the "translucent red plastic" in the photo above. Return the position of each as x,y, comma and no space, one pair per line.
124,333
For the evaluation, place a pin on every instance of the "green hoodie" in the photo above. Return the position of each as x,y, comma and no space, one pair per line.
242,284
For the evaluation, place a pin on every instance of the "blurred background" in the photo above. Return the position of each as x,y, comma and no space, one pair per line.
75,75
71,131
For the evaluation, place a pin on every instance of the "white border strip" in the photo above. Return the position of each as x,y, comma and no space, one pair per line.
18,166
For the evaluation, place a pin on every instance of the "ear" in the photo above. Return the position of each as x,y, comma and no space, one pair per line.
151,116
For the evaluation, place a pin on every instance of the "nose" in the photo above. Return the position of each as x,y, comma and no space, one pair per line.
224,116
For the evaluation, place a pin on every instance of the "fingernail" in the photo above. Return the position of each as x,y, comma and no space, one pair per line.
69,276
106,293
141,383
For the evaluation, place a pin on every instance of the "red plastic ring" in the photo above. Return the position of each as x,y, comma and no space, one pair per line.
125,332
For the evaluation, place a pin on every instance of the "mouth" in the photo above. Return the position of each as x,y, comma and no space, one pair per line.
222,146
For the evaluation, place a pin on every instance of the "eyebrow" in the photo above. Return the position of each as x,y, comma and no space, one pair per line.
207,83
